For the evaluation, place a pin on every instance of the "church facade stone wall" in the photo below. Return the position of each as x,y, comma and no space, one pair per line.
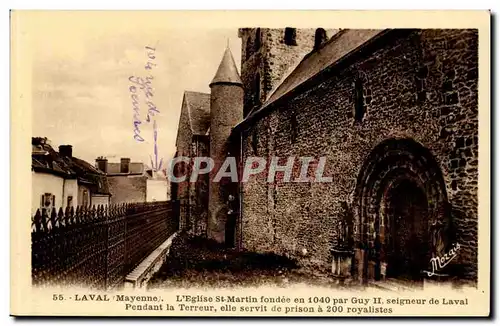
419,85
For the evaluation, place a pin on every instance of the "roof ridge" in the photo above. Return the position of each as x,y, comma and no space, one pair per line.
197,92
188,107
331,42
198,110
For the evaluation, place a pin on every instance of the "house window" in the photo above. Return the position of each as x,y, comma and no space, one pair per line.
47,203
69,201
290,36
359,105
85,199
319,38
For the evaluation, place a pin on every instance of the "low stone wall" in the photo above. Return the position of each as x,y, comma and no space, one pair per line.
140,276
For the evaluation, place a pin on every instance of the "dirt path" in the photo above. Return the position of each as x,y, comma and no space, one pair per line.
199,262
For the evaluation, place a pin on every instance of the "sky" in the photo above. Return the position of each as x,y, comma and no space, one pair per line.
81,87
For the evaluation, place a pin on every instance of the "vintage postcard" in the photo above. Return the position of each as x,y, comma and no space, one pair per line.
264,163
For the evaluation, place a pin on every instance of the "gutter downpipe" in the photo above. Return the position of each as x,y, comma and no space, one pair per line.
240,199
63,195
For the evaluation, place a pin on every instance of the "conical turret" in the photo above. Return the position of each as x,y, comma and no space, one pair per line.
227,71
226,110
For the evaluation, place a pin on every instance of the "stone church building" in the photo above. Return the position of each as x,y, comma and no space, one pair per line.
395,113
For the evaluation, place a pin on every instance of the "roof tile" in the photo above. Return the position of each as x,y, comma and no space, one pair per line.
198,105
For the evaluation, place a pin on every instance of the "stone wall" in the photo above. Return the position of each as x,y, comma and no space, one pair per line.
419,85
184,146
198,191
270,61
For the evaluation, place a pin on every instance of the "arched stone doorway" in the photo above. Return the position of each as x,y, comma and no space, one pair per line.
399,207
407,239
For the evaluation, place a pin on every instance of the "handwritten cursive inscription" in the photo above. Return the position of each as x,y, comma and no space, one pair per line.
155,165
438,263
143,85
137,116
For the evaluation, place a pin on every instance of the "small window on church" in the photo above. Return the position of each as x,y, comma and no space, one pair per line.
257,40
255,142
256,87
248,48
359,105
319,38
290,36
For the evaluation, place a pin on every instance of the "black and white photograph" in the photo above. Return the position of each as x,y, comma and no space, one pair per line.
169,161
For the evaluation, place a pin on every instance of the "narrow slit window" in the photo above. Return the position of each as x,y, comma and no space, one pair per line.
290,36
257,40
359,105
294,128
255,141
257,89
248,48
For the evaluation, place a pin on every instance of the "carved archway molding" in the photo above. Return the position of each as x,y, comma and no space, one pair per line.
390,163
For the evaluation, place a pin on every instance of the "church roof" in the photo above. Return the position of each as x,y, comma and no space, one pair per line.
198,105
227,71
339,46
336,48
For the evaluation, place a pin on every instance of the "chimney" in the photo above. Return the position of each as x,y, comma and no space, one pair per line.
102,164
66,150
124,165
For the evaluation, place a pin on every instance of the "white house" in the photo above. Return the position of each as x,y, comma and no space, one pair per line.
60,180
157,188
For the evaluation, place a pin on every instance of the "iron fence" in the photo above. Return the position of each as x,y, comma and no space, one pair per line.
97,247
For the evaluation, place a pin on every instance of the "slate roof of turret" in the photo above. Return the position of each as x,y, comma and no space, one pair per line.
227,71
